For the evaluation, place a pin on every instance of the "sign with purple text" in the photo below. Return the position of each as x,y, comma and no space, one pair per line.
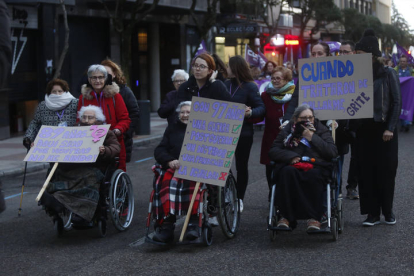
67,144
338,87
210,141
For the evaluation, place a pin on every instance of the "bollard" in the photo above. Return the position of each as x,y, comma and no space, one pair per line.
144,126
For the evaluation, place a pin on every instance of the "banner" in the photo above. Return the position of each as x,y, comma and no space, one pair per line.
338,87
210,141
201,49
407,98
253,59
67,144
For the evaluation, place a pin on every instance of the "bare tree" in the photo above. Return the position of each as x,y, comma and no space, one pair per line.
66,44
270,11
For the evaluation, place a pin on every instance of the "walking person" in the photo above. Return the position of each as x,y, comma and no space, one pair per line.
377,139
101,91
130,102
403,70
244,90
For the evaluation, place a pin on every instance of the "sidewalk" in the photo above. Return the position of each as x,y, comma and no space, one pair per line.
12,151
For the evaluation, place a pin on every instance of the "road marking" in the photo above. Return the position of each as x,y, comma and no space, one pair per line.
145,159
7,197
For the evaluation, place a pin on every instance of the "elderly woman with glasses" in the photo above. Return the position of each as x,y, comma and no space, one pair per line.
167,107
300,185
101,91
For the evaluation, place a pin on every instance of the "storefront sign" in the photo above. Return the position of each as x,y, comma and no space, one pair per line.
232,29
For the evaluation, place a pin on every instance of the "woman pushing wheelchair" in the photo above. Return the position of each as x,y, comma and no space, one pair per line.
300,184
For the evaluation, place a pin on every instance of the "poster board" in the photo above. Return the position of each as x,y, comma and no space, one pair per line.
338,87
210,140
67,144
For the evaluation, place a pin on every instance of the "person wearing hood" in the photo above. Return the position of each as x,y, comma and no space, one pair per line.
101,91
58,109
377,139
276,99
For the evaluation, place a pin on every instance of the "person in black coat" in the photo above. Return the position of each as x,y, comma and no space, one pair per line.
300,185
167,107
130,102
244,90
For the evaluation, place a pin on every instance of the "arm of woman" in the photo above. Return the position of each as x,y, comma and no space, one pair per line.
220,91
111,145
323,143
35,124
122,114
255,101
395,100
278,152
161,152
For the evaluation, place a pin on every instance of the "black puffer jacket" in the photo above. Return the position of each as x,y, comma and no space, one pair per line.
133,110
168,106
170,147
322,146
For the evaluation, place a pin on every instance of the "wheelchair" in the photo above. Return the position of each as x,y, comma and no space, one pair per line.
334,210
214,200
116,197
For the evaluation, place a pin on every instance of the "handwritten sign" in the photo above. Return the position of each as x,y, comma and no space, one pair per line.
67,144
210,140
339,87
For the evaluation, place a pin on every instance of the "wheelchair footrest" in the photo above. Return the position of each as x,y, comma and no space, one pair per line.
325,230
282,229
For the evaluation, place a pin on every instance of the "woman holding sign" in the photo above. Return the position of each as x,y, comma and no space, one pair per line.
101,91
244,90
377,140
58,109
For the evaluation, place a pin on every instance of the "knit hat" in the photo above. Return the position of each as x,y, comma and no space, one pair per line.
369,43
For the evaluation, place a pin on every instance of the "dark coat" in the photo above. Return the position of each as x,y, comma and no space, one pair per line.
322,146
133,110
248,94
168,106
170,147
274,111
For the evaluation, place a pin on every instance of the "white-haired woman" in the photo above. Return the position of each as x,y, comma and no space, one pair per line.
167,107
172,196
101,91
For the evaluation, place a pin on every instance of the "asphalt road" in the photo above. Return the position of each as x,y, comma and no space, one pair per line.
29,245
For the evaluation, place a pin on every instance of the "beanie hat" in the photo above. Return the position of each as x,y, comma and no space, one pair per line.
369,43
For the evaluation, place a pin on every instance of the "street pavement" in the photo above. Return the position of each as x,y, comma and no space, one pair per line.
29,245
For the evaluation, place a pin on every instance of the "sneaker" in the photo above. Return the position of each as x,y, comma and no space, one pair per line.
241,205
283,223
371,220
390,219
164,233
352,193
313,225
213,221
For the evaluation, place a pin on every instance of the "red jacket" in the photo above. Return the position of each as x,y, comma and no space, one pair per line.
111,102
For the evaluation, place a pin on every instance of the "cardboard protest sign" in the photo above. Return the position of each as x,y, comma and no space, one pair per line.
339,87
67,144
210,140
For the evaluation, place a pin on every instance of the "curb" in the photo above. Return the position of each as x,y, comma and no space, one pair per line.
42,166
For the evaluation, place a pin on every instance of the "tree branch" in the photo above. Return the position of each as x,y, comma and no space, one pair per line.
66,45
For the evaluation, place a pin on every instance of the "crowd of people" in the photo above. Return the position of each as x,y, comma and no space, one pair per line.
291,132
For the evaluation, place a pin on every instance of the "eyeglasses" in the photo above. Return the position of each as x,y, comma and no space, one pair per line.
199,66
307,118
277,79
95,78
179,81
344,52
84,117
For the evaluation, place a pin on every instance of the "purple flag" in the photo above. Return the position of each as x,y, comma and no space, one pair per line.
333,45
401,51
201,49
407,98
258,60
262,59
394,59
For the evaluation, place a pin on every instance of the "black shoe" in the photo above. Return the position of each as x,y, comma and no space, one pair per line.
192,231
164,233
371,220
390,219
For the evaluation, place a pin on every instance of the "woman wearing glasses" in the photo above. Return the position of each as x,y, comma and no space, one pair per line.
300,185
58,109
167,107
244,90
101,91
276,99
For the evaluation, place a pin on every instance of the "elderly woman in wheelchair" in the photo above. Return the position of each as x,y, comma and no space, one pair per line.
76,188
301,151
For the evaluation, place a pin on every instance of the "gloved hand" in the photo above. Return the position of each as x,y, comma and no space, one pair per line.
27,143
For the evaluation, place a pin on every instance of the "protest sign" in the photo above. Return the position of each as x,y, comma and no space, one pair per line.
210,141
67,144
338,87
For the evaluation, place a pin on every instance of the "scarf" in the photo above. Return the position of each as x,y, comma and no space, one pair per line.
295,136
283,94
58,102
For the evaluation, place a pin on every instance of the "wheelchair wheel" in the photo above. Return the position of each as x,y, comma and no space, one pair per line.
121,200
340,216
102,228
229,212
334,228
208,235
